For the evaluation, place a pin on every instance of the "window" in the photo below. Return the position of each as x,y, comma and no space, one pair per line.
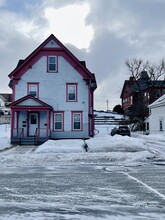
52,64
33,119
58,121
33,89
72,92
76,121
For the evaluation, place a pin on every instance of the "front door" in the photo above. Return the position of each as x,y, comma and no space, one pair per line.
33,123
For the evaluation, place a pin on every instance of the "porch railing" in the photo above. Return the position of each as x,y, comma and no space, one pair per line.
21,135
39,135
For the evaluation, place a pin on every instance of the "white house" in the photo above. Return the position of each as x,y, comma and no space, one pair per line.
52,95
156,120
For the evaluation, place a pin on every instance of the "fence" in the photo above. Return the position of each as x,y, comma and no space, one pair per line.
108,120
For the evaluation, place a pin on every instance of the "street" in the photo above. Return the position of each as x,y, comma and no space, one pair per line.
80,190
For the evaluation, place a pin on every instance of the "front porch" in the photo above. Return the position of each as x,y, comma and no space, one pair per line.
30,121
20,138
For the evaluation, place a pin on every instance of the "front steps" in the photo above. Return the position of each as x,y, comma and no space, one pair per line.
28,141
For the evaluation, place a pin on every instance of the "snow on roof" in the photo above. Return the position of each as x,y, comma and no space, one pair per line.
159,102
108,114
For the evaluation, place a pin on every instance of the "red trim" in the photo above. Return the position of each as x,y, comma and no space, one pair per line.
48,123
62,113
38,122
81,120
31,59
56,58
67,92
14,104
33,83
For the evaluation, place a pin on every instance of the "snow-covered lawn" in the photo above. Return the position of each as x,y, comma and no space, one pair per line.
103,147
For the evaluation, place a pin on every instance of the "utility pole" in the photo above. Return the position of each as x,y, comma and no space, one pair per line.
107,104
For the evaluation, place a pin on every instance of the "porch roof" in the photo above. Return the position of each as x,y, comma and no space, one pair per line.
29,103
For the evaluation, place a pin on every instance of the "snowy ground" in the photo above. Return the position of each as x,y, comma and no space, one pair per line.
128,160
122,150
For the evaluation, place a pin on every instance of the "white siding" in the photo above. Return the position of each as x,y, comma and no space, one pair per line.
52,90
157,114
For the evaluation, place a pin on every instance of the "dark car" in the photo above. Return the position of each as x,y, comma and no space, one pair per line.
121,130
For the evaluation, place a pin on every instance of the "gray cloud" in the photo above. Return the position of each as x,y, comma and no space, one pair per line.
122,30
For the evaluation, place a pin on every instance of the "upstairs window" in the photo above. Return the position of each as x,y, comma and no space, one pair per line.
33,89
71,92
52,64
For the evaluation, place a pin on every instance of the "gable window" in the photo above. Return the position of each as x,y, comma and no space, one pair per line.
58,121
71,92
52,64
33,89
77,121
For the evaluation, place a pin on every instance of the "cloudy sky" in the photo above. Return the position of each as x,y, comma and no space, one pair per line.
104,33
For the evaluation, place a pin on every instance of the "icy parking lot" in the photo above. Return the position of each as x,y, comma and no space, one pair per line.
82,192
118,178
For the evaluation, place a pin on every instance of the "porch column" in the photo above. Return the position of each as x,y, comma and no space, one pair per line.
48,122
12,121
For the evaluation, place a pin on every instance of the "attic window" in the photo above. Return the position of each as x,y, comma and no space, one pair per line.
52,42
52,64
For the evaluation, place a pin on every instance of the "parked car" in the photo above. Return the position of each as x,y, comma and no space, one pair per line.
121,130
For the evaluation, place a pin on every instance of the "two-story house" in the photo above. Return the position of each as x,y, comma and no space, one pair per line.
52,96
137,94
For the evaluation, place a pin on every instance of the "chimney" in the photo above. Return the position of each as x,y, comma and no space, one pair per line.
132,80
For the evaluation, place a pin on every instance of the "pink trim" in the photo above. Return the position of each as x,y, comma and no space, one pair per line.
67,92
33,83
28,61
44,105
81,120
90,113
62,113
56,57
38,122
12,122
48,123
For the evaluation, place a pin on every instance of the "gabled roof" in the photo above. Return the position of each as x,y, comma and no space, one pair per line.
126,82
46,46
36,103
159,102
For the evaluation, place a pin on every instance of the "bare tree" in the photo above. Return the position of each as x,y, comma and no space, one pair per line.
149,83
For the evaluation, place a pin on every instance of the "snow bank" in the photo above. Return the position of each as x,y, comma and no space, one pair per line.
61,146
4,136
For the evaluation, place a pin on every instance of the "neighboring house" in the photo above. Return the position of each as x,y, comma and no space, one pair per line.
140,93
5,99
52,95
156,120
